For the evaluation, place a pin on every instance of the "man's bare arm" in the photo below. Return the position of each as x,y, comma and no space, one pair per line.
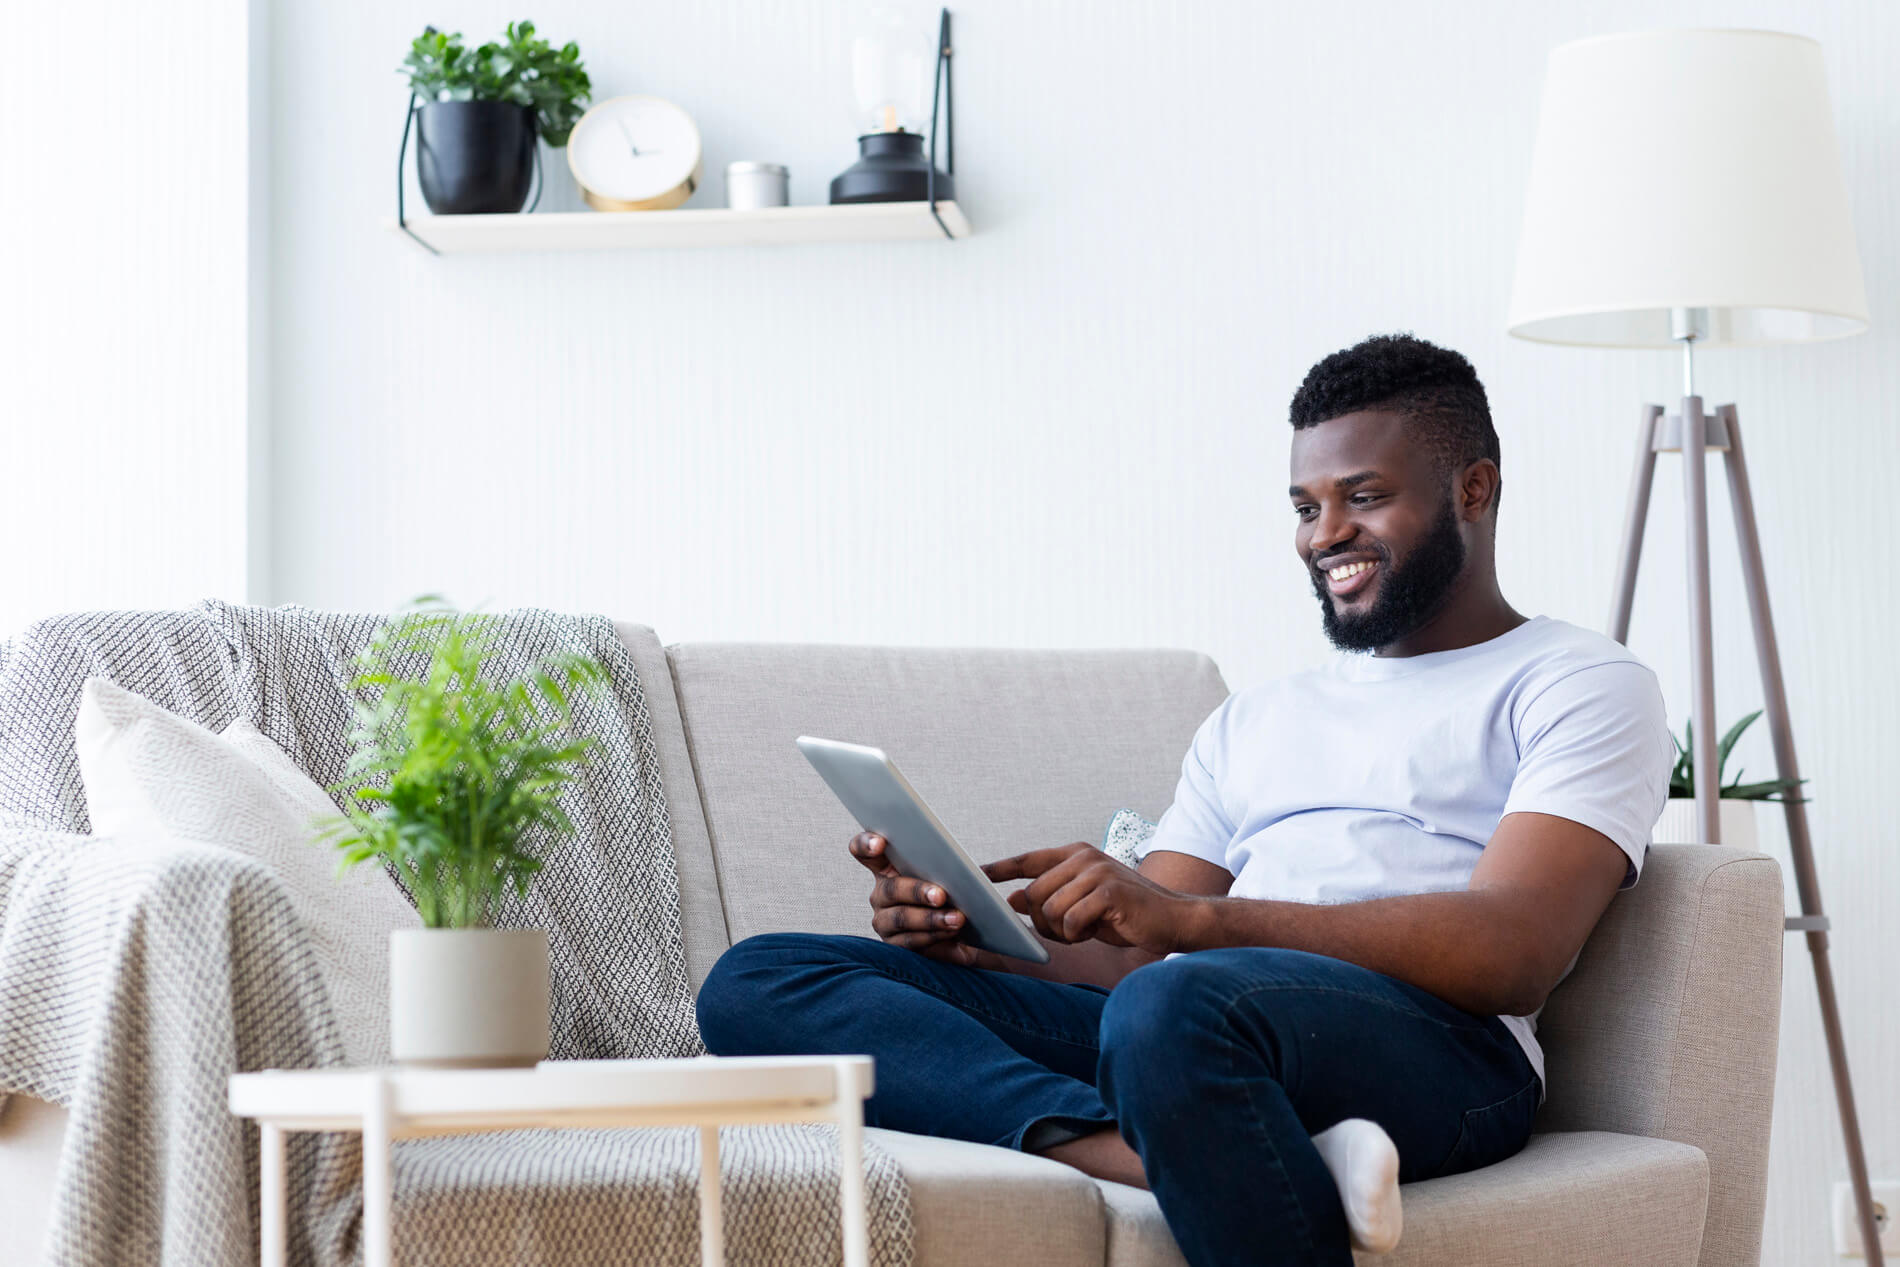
1498,946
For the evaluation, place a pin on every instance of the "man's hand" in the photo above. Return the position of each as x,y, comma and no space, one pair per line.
911,913
1080,893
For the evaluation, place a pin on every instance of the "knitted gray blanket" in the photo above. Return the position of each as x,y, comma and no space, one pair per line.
137,976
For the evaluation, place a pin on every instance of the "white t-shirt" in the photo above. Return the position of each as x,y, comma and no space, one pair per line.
1375,776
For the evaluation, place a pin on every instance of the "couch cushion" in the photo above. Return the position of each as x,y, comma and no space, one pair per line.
702,919
976,1205
1574,1199
1013,749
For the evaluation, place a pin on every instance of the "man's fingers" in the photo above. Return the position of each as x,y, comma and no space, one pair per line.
919,941
909,919
1048,898
1059,911
915,937
1037,894
871,850
950,952
1079,917
1020,900
890,920
1011,868
893,889
1035,862
1046,885
1057,904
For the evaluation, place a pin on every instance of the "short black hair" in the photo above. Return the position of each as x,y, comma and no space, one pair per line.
1435,388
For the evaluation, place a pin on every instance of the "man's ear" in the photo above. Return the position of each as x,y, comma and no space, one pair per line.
1478,489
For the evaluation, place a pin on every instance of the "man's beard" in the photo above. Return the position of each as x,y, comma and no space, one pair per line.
1409,594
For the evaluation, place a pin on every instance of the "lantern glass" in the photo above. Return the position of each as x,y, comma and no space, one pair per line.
892,55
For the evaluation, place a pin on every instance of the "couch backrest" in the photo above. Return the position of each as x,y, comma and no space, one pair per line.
1014,750
1667,1026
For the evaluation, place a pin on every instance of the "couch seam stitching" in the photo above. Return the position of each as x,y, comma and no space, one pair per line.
699,788
1682,995
1675,1056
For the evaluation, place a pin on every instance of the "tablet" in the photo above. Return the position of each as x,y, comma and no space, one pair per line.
919,845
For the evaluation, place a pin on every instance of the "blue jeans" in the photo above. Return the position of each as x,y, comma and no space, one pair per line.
1217,1067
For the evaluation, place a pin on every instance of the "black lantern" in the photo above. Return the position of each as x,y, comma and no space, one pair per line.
891,167
888,73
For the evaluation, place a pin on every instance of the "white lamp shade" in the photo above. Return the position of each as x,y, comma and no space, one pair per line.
1687,169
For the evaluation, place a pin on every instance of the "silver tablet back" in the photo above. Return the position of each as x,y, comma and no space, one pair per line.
870,785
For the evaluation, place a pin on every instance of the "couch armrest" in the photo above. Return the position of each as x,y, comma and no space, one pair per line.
1668,1026
91,926
136,975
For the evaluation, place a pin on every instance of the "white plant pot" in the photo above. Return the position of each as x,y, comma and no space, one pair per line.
1678,825
468,998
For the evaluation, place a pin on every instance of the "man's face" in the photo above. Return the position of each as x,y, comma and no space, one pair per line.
1365,494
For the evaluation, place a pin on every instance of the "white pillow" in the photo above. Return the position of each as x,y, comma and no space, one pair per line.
148,770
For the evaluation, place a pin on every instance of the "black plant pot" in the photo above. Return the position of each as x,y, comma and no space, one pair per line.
474,156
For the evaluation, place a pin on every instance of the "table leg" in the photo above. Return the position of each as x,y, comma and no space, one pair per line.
857,1251
712,1224
376,1175
271,1193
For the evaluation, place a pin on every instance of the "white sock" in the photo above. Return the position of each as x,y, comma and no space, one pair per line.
1365,1165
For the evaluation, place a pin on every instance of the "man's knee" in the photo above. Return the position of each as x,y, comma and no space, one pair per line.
1147,1054
743,998
1163,1021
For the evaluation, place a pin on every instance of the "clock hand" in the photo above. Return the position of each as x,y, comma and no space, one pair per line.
629,136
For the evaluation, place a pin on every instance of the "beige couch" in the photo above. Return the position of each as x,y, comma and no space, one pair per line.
1652,1147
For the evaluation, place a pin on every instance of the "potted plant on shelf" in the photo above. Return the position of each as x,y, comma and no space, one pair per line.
452,780
475,137
1735,800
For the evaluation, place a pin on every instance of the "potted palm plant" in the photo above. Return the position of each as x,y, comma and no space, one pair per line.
1736,800
453,781
475,134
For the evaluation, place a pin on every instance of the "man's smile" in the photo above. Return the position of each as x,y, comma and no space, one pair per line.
1349,574
1350,578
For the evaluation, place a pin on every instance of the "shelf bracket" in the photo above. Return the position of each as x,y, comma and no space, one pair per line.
402,162
941,80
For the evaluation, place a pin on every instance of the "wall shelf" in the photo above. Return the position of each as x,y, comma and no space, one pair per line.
711,226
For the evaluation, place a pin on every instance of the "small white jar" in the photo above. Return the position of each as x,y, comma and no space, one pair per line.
750,186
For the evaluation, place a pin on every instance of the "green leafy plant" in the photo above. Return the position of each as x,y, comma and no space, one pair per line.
452,776
1682,778
519,68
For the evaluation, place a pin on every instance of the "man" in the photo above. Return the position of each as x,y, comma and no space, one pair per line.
1372,875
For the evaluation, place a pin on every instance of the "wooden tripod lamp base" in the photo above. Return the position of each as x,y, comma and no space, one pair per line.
1694,434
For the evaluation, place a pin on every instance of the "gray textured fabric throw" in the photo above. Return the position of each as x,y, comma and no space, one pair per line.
137,975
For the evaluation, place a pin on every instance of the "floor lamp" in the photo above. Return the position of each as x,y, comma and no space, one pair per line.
1686,189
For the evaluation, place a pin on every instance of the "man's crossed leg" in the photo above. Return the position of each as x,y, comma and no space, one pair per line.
1203,1076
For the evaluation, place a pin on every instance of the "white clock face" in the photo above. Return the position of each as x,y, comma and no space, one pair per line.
633,148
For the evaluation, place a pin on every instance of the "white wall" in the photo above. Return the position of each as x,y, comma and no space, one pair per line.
1069,429
124,230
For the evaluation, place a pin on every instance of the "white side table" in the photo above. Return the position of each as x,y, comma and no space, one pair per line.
708,1092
